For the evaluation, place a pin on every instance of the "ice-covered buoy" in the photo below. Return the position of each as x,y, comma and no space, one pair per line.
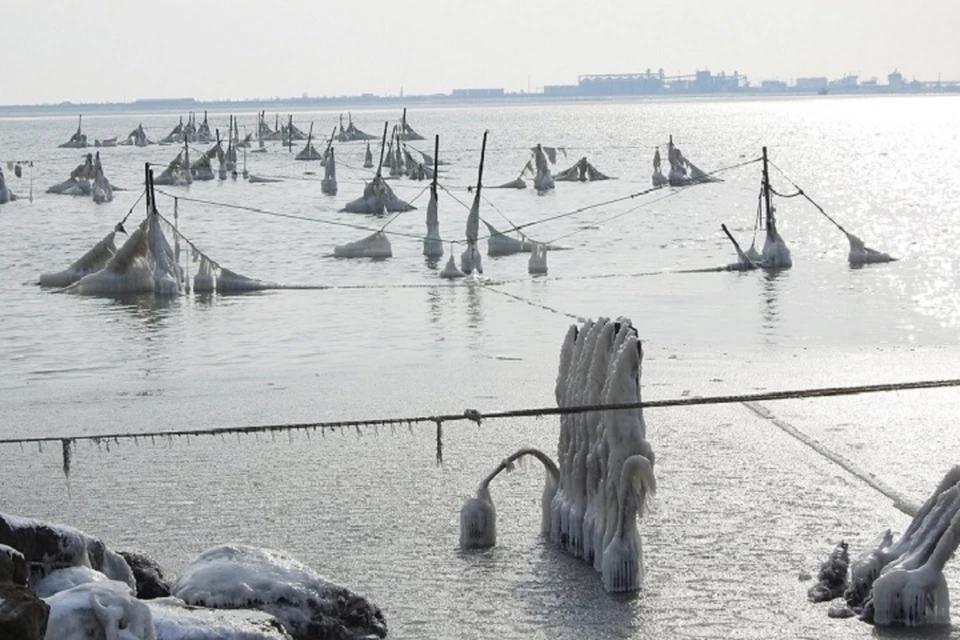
538,259
376,245
451,270
862,254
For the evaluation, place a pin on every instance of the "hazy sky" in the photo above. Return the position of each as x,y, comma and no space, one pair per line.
119,50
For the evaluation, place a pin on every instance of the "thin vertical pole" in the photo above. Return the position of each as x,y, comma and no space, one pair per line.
146,184
383,147
766,194
436,156
483,152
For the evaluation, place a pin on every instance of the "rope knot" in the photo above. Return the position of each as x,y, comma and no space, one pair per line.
474,415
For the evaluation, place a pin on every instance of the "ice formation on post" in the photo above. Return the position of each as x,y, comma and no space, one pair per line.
451,271
177,172
470,260
902,583
862,254
5,194
102,189
658,178
137,137
368,158
744,261
775,254
351,132
500,244
377,198
537,264
478,516
582,171
604,462
432,244
78,140
309,152
144,264
542,181
328,186
376,245
78,184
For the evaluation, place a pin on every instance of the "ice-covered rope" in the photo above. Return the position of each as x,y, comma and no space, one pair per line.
801,192
476,417
676,191
398,213
900,502
605,203
489,287
285,215
497,209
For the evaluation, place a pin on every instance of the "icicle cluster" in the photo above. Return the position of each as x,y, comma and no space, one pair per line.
598,488
902,583
605,461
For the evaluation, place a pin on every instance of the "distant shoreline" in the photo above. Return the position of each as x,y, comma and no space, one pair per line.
185,105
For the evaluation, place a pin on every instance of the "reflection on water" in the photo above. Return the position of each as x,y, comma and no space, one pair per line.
771,287
153,310
434,305
474,306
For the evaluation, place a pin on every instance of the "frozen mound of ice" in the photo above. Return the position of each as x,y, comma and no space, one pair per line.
63,579
862,254
902,582
144,264
432,244
376,245
582,171
5,194
775,254
173,619
98,610
500,244
239,576
48,546
92,261
377,198
451,271
538,259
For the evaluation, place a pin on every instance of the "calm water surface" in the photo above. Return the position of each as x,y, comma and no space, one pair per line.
743,508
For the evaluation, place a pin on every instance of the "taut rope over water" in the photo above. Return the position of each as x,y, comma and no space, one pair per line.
475,416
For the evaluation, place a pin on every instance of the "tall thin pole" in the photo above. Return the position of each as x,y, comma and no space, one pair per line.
771,223
146,184
483,152
383,146
436,156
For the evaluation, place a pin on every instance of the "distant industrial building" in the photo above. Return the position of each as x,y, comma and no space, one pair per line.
477,94
775,86
896,81
846,82
811,84
644,84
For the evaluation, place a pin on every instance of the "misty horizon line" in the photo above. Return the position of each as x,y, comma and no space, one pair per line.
698,82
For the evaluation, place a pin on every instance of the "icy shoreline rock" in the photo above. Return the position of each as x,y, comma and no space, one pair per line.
310,607
226,593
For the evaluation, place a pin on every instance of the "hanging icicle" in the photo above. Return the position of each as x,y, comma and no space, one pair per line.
66,445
